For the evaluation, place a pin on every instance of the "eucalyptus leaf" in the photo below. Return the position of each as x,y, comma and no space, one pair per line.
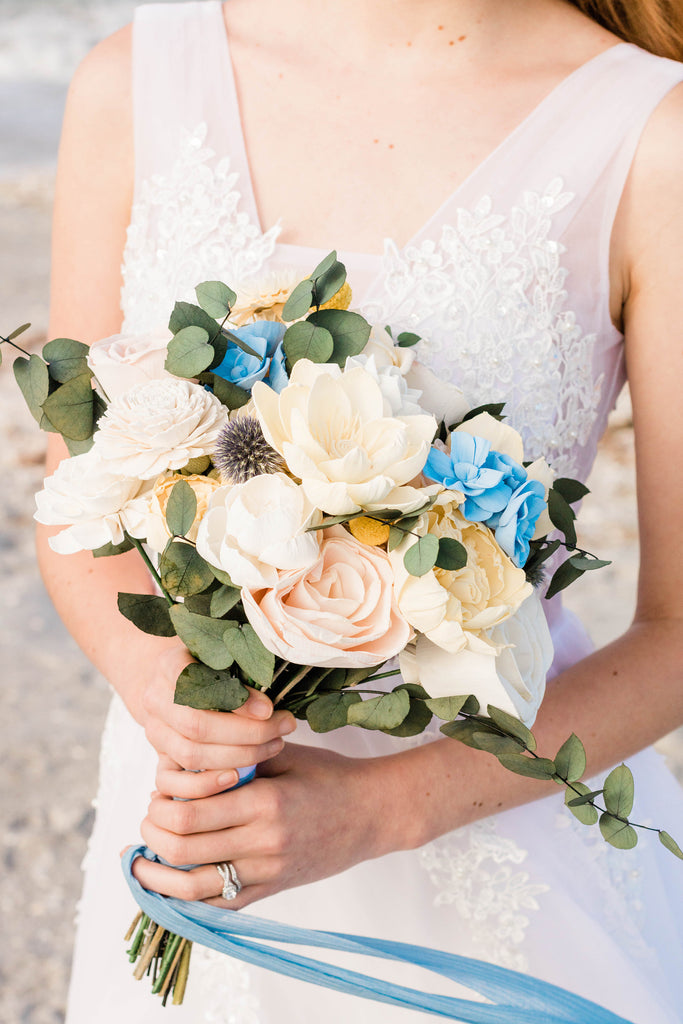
446,708
224,600
354,676
471,705
350,332
328,284
532,767
395,538
33,378
618,791
108,550
231,395
384,713
671,844
215,298
189,352
325,265
586,797
618,833
17,332
197,466
305,340
416,721
299,302
571,490
584,812
330,711
221,576
494,409
183,571
563,576
70,408
496,744
248,650
181,509
186,314
66,359
203,637
512,726
421,556
199,686
148,612
586,563
407,339
452,555
562,516
570,759
467,732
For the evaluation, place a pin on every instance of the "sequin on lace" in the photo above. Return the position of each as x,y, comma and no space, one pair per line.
488,297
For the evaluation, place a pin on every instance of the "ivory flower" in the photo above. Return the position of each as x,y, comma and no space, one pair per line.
334,433
84,495
264,299
439,397
150,509
339,613
253,529
448,605
158,426
386,352
125,360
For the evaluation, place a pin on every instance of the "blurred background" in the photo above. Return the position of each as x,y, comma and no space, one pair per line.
53,703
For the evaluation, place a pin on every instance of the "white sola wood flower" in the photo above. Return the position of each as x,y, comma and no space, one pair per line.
158,426
124,360
338,437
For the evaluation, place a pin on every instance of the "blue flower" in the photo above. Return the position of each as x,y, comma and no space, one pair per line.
515,525
486,478
240,368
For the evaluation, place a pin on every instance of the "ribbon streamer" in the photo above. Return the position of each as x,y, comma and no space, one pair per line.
514,998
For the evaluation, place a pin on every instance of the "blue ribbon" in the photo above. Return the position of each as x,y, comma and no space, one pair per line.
514,998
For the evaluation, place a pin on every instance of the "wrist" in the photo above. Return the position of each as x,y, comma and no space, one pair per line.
395,818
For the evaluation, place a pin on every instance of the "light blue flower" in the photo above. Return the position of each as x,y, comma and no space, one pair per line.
240,368
486,478
514,526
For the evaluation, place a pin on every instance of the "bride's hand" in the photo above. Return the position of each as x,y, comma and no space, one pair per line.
309,814
200,740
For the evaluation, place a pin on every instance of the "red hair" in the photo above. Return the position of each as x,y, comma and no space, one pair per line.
656,25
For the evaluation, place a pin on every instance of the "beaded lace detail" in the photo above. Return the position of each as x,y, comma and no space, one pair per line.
488,296
477,871
220,989
187,226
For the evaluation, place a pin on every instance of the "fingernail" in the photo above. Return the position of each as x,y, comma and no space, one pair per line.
260,708
289,725
227,779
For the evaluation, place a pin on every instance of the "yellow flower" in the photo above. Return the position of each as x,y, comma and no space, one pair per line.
369,531
265,299
156,530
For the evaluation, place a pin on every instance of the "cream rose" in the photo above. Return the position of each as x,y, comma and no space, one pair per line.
84,495
253,529
449,605
332,429
147,515
339,613
505,666
386,352
439,397
159,426
125,360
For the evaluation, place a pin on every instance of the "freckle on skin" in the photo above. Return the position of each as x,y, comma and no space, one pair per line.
391,145
615,673
461,39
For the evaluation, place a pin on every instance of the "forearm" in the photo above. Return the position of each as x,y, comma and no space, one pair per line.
617,701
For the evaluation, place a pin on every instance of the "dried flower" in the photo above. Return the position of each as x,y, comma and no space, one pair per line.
243,452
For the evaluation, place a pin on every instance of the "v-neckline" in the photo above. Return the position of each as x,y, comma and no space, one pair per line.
452,198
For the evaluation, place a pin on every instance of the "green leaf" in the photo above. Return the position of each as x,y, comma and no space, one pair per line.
618,791
246,647
304,340
384,713
452,555
181,509
185,314
395,538
570,759
586,814
494,409
467,732
471,705
183,571
562,516
512,726
330,711
203,636
446,708
419,715
324,265
354,676
70,408
421,556
328,284
231,395
586,563
586,797
571,490
147,612
17,332
299,302
108,550
350,332
671,844
532,767
407,339
496,744
215,298
198,686
197,466
189,352
67,359
221,576
224,600
563,577
618,833
33,378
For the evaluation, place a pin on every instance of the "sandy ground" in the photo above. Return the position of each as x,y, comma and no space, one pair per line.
53,701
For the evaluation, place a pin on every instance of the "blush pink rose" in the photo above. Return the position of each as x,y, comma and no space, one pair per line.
339,613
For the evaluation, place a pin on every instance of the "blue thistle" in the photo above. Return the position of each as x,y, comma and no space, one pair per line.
243,452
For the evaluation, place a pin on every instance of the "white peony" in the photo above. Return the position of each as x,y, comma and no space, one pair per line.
438,397
125,360
84,495
332,429
158,426
251,530
505,666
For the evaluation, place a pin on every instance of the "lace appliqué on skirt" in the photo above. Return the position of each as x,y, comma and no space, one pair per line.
220,988
187,227
488,297
476,870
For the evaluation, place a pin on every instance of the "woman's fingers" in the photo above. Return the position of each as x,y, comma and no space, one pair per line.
184,817
200,847
203,883
176,782
240,748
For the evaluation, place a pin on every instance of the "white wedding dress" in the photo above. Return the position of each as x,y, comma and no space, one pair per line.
508,284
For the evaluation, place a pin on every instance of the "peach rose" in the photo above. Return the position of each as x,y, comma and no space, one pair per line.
339,613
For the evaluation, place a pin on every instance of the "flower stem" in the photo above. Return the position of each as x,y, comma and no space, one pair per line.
152,568
292,683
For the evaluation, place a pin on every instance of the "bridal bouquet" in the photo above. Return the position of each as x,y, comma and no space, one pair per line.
313,503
